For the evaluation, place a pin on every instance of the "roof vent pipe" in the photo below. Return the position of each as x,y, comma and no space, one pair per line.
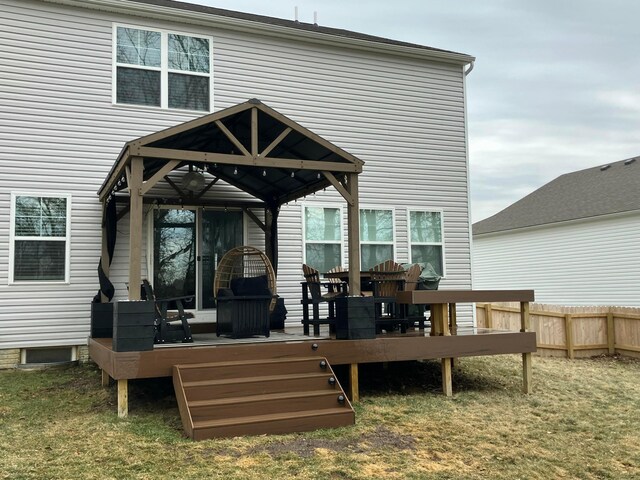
630,161
295,14
315,18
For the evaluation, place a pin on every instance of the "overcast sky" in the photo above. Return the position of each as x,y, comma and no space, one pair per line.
555,88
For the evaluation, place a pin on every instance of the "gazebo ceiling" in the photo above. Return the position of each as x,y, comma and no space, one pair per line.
250,146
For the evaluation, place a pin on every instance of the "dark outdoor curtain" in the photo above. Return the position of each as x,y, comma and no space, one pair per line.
109,222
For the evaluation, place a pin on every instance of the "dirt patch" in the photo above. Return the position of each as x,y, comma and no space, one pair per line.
379,439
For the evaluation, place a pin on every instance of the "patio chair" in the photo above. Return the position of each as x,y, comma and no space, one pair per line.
412,279
313,295
170,327
244,287
388,278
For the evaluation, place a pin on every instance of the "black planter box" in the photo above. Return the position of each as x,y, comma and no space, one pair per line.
355,318
102,320
133,328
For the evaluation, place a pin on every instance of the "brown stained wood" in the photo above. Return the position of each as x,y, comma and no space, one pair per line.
160,361
453,319
123,398
277,424
354,389
464,296
353,235
185,413
254,132
233,138
225,158
221,408
257,385
135,228
248,368
159,175
276,142
309,134
338,186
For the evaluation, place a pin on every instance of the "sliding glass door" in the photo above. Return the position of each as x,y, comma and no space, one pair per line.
187,246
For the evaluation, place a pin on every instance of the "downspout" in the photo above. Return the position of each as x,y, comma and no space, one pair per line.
470,226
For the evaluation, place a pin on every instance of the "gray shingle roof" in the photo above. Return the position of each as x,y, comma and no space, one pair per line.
586,193
294,25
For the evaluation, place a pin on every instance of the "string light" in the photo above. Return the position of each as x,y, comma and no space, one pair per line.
292,174
235,171
264,173
318,175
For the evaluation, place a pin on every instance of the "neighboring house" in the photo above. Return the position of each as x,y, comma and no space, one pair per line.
81,78
574,240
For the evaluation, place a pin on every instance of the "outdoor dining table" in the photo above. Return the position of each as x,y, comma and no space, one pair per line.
443,318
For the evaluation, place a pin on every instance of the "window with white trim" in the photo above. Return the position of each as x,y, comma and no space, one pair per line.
425,239
376,237
162,69
322,237
40,238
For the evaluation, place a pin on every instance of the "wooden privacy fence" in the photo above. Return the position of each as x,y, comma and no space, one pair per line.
578,331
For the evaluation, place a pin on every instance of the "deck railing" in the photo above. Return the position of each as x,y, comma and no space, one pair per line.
570,331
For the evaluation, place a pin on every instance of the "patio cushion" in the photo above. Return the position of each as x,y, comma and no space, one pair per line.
225,292
250,286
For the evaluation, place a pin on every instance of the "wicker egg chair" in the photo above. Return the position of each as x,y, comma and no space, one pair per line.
244,262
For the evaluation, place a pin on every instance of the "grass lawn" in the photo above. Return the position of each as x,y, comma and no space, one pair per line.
582,421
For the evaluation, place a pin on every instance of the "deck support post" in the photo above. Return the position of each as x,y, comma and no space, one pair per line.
123,398
525,325
440,327
354,392
105,378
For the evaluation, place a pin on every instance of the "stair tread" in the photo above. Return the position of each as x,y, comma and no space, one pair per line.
191,366
262,378
272,417
262,397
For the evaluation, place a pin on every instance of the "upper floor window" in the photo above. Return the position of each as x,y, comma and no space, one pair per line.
425,239
39,238
162,69
376,237
322,237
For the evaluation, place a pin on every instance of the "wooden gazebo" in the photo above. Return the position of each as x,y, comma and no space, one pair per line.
249,146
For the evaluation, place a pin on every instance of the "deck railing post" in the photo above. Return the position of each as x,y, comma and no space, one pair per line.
527,371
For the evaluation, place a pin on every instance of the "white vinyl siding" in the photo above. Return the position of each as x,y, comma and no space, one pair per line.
590,262
377,236
161,69
39,237
59,130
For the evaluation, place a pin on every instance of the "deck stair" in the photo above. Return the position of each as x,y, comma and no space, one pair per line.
254,397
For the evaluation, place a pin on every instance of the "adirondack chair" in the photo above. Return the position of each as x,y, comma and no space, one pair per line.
169,328
387,279
313,295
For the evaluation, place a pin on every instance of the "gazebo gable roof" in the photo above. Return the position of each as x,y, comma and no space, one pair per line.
250,146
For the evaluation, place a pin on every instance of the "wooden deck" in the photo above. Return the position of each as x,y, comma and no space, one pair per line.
413,345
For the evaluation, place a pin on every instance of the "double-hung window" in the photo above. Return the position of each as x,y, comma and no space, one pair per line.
162,69
376,237
39,238
425,239
322,237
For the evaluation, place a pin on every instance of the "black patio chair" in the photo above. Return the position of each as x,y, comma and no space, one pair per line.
170,327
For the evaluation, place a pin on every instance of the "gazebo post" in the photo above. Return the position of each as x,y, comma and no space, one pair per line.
353,227
353,222
104,259
135,227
